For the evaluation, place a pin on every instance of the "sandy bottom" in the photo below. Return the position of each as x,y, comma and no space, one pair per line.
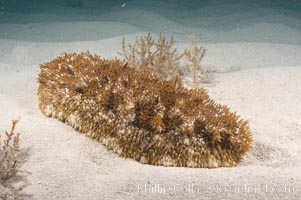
66,165
259,76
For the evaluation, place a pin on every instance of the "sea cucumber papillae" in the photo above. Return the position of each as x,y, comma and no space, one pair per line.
141,116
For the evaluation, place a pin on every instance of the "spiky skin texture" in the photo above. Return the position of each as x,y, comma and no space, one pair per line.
141,116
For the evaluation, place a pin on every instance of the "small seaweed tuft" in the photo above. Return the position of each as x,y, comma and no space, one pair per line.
10,162
163,59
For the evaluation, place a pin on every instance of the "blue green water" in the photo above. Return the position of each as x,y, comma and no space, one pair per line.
89,9
167,16
26,6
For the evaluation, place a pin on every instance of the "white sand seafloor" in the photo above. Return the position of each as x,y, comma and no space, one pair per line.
258,74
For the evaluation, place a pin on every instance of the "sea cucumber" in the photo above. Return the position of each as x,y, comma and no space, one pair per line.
141,116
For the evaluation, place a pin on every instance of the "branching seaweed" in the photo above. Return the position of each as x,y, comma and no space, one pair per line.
163,59
10,163
194,66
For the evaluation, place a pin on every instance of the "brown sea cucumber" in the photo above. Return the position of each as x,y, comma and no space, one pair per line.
141,116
